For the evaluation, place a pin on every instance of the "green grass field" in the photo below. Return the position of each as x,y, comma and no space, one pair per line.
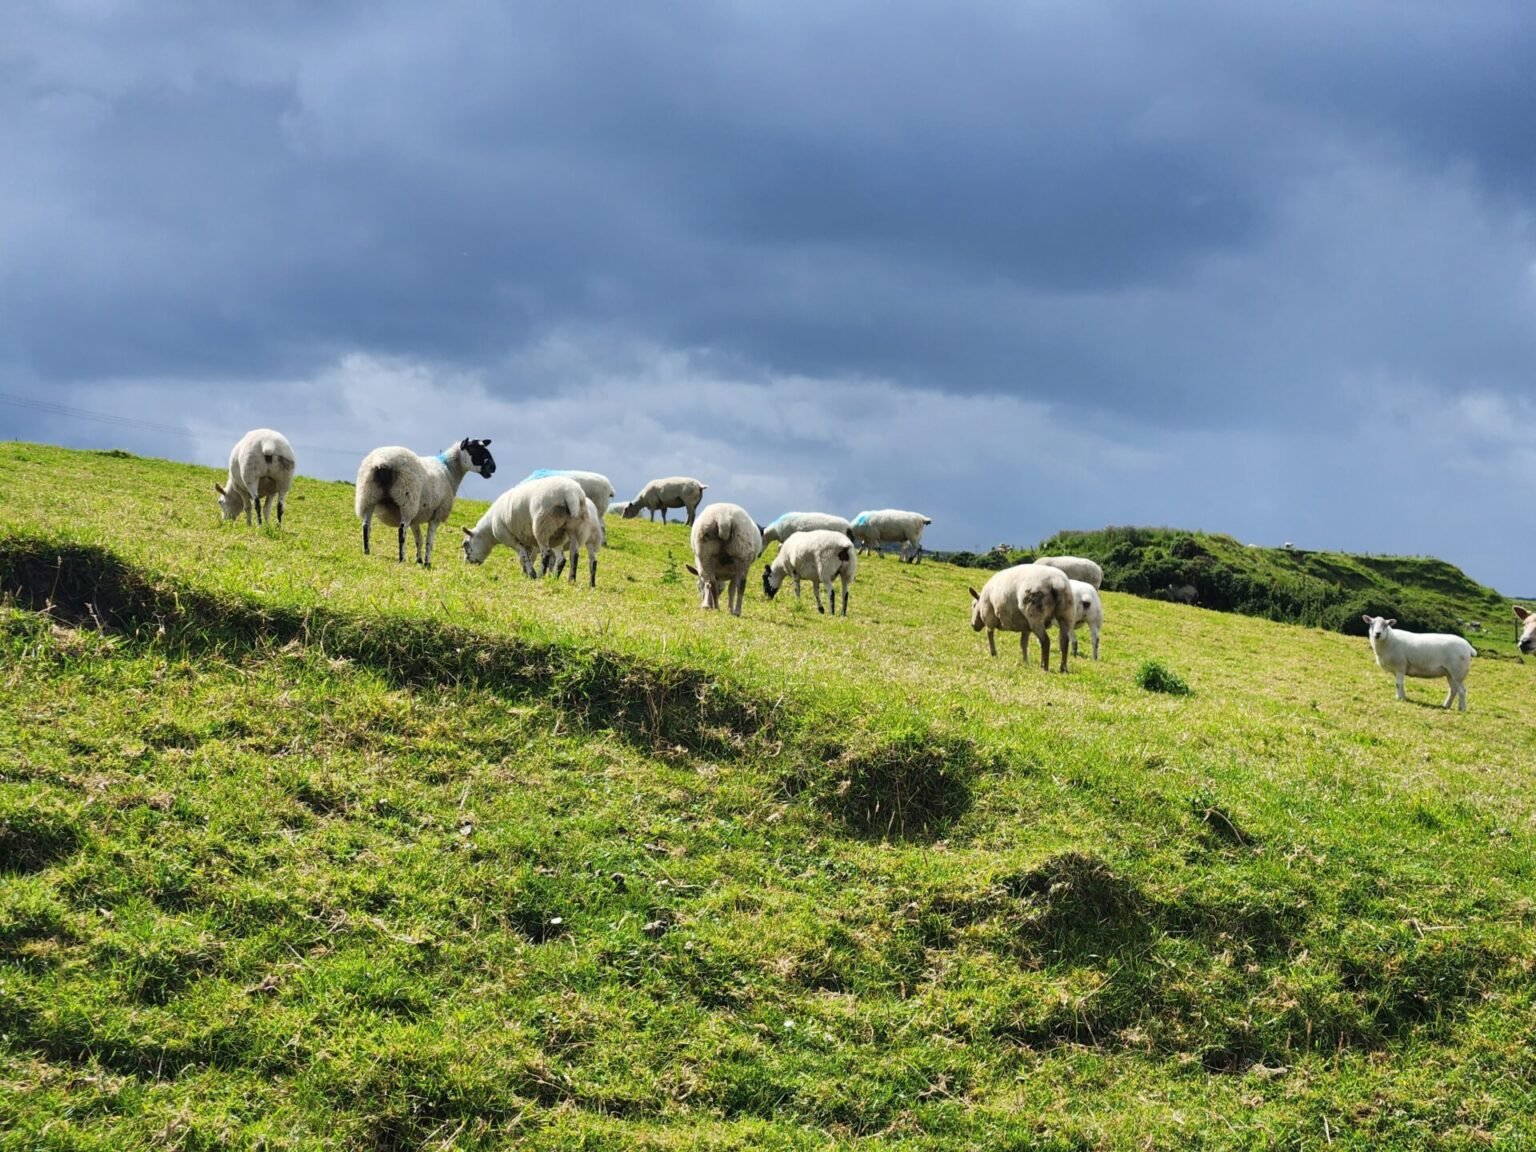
302,848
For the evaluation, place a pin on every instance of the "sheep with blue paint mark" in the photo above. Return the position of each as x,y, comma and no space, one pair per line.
400,488
594,484
890,526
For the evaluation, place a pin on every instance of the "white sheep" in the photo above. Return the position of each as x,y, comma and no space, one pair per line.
820,556
1087,609
1025,599
1527,619
261,466
594,484
1077,568
588,533
791,522
400,488
890,526
667,493
1428,655
725,543
536,518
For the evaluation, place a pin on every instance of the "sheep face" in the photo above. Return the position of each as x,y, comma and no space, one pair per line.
476,548
475,456
772,582
1528,632
231,503
1379,627
977,622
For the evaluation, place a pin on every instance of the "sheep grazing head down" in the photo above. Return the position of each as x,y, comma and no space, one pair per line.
1527,619
772,582
231,504
477,548
475,456
977,623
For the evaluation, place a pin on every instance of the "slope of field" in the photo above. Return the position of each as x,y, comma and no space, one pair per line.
311,848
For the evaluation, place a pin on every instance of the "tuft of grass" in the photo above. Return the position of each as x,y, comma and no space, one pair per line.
1155,677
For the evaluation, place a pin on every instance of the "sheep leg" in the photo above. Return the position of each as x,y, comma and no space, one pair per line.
739,593
692,508
416,536
1061,636
402,540
1073,635
248,512
280,502
845,597
431,536
992,641
592,568
820,610
663,515
575,560
1401,695
367,519
1045,649
1095,632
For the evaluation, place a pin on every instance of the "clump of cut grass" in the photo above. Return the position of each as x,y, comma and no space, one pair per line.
1155,677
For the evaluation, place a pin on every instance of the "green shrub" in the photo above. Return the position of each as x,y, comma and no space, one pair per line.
1155,678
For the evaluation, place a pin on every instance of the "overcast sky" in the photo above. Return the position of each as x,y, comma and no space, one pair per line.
1265,268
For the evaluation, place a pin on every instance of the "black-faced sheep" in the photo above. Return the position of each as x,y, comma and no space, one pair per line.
400,488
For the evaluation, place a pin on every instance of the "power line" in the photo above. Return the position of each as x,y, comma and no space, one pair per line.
52,409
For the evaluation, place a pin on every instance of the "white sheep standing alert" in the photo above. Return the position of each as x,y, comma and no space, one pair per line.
1427,655
1087,609
400,488
1527,621
725,543
890,526
1026,598
261,466
1077,568
536,518
791,522
820,556
667,493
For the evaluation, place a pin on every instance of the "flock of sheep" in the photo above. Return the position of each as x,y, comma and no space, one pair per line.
551,516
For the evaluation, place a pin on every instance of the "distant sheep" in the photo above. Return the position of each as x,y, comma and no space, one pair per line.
537,518
1427,655
1026,599
261,466
594,484
1527,619
725,543
890,526
400,488
791,522
820,556
1077,568
667,493
1087,609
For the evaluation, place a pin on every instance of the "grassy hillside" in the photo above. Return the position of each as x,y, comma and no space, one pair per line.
1320,589
303,847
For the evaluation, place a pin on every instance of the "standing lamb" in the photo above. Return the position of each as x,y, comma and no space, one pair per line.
1025,599
1087,609
1427,655
537,518
725,542
667,493
1077,568
791,522
890,526
819,556
594,484
261,468
1527,618
403,488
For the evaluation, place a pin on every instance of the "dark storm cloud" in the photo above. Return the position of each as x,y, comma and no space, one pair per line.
1199,242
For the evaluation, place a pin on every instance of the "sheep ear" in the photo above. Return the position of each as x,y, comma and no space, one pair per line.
975,595
468,531
694,571
1391,623
1367,619
217,488
1521,613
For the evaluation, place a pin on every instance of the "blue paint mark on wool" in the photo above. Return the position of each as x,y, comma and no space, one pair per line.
542,473
443,456
861,519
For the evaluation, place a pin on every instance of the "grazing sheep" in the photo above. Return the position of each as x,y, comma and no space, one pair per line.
890,526
535,518
725,542
1025,599
594,484
261,468
403,488
1077,568
791,522
1528,633
1427,655
588,533
819,556
667,493
1181,594
1087,609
